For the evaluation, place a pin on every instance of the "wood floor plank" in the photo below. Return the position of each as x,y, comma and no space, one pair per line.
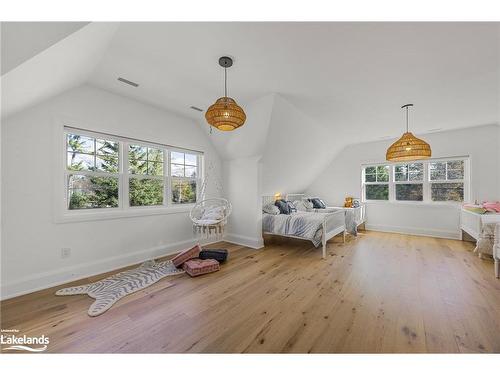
377,293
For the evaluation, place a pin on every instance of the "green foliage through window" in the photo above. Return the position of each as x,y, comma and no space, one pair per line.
183,191
92,192
409,192
145,160
94,174
91,154
377,174
377,192
418,181
145,192
441,192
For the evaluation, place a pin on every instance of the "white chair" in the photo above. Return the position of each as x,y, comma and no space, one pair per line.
209,217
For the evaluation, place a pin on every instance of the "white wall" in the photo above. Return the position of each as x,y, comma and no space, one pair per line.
343,177
250,139
296,149
32,241
498,165
242,188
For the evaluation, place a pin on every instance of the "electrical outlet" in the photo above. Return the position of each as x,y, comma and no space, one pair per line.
65,252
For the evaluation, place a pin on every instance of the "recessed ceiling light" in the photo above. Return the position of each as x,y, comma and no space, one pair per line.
196,108
386,137
128,82
434,130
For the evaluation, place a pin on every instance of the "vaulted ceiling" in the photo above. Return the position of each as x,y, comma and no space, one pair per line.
349,79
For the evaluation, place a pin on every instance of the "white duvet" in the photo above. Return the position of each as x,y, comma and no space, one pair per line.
306,225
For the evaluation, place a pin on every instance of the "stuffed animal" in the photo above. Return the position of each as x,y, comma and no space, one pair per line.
348,202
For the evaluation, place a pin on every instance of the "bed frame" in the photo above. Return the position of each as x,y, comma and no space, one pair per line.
330,229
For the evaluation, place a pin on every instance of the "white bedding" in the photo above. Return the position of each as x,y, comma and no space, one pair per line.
306,225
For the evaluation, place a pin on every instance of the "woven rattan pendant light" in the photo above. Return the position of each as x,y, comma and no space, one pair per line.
408,147
225,114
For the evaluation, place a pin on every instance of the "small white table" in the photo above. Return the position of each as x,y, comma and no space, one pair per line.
357,214
472,223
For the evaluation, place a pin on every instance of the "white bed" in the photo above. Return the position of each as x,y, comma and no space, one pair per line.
325,226
354,217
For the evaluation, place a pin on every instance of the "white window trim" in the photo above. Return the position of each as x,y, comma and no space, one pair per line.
426,183
63,215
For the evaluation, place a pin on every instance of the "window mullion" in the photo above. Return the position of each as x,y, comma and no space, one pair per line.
125,176
426,182
392,187
92,173
167,178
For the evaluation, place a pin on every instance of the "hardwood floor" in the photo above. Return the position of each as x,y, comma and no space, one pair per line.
379,293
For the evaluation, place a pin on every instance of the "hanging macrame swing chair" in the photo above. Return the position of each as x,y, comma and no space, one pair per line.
209,216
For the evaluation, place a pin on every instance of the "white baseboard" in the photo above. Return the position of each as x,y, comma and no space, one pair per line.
439,233
65,275
254,243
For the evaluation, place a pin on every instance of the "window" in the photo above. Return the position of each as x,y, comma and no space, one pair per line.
146,182
427,181
184,173
108,172
92,172
447,180
376,182
408,182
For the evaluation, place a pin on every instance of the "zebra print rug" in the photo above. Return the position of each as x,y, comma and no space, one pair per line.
111,289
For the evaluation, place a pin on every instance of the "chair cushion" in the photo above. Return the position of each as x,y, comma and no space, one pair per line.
185,255
196,267
206,221
214,213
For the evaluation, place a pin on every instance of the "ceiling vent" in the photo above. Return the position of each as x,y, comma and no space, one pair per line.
128,82
196,108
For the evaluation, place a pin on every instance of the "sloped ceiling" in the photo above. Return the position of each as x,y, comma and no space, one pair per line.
22,40
63,65
336,83
251,139
349,77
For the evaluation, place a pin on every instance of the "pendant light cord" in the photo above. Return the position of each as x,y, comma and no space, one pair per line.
407,109
225,82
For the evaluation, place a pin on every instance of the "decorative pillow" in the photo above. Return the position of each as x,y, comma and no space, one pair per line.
185,255
492,206
214,213
220,255
300,206
270,208
196,267
291,206
317,203
283,206
308,204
